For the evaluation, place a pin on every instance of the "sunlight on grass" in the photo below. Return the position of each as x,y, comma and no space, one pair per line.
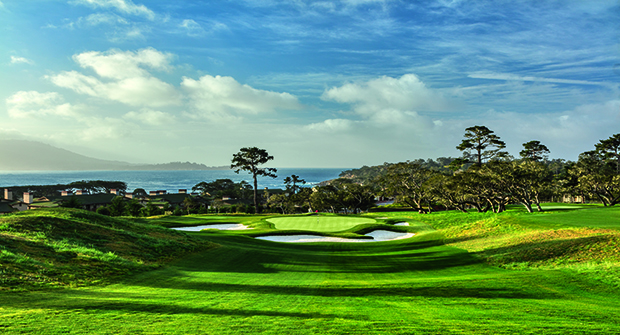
318,223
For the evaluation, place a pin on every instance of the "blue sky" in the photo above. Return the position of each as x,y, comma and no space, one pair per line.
316,83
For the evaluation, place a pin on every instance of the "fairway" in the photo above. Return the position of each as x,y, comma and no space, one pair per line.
318,223
418,285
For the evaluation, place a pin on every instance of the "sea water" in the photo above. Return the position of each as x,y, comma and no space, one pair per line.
170,181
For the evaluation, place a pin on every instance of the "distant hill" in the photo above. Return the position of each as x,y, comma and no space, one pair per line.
21,155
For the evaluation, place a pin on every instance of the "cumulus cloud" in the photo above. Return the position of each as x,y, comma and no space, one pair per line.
150,117
125,79
123,6
24,104
331,125
407,93
116,64
223,97
20,60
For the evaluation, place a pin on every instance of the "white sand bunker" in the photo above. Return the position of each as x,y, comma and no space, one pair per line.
225,226
402,224
377,236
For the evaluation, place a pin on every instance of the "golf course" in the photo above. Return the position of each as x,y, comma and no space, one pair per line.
554,272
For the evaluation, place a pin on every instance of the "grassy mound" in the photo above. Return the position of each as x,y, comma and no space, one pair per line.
67,247
586,240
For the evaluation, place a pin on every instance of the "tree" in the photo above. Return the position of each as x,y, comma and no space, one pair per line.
292,183
282,202
480,145
534,151
189,203
609,149
117,207
249,159
134,208
408,183
73,202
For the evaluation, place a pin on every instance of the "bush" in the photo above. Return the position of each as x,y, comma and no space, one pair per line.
103,210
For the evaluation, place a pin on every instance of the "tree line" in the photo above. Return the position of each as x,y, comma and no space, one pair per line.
487,178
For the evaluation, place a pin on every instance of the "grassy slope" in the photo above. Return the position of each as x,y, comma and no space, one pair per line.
417,285
586,240
66,247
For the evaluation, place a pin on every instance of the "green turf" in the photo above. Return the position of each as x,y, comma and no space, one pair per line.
414,286
318,223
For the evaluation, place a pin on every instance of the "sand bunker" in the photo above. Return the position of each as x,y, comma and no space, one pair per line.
377,236
225,226
402,224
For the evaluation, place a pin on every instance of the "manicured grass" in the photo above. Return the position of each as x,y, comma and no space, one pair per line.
318,222
433,283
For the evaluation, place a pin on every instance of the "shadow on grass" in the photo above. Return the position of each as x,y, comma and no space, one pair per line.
90,303
246,255
408,291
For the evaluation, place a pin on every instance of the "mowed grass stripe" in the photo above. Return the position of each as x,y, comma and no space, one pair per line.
319,223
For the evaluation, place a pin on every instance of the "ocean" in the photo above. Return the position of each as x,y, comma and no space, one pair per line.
170,181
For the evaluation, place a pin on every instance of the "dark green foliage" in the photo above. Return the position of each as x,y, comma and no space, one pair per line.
72,202
249,160
91,186
118,207
535,151
293,184
481,145
223,187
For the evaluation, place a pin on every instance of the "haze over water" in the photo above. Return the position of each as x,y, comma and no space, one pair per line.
170,181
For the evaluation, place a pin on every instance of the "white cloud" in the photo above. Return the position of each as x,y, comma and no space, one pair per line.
192,27
20,60
331,125
126,80
102,18
514,77
407,93
223,97
123,6
195,29
24,104
150,117
117,64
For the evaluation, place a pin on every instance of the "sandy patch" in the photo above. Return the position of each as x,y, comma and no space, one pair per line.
402,224
225,226
377,236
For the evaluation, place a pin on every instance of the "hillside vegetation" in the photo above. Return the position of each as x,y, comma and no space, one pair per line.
67,247
582,238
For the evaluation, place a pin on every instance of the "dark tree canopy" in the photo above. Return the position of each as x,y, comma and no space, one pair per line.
609,150
534,151
481,145
249,159
292,183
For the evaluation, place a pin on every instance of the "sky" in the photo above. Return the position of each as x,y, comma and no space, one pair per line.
316,83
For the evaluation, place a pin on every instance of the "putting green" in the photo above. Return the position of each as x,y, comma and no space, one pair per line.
319,223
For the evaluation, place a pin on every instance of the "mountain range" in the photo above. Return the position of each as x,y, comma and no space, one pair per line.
23,155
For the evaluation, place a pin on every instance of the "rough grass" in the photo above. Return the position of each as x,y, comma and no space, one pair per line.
585,240
67,247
